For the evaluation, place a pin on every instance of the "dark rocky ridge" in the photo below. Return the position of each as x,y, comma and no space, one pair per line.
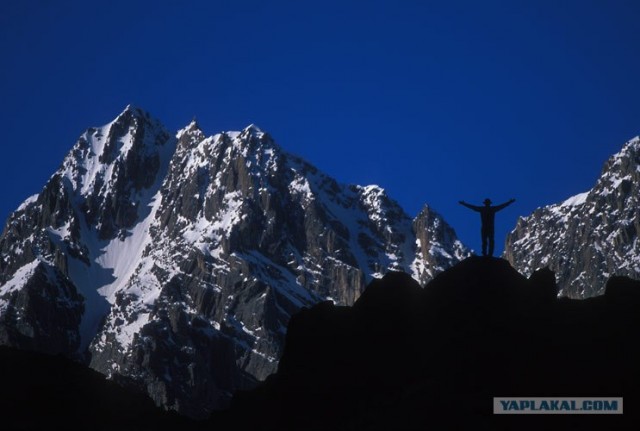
404,357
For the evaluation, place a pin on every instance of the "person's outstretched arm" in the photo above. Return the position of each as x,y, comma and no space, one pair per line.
504,205
471,207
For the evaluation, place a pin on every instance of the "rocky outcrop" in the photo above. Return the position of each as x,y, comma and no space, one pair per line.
42,314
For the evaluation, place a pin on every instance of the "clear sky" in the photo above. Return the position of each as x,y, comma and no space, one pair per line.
436,101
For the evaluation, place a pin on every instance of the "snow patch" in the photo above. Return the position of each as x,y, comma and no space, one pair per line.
576,200
27,202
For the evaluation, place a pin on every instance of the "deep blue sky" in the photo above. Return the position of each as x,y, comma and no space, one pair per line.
434,101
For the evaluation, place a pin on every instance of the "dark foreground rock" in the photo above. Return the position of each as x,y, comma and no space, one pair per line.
401,358
40,392
404,357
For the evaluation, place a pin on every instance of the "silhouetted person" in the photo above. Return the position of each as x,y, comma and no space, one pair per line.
488,216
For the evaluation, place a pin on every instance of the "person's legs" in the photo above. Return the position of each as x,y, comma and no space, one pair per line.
484,242
491,244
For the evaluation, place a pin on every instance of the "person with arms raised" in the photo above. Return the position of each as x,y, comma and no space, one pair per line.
487,218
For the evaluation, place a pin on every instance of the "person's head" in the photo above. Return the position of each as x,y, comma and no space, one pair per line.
487,202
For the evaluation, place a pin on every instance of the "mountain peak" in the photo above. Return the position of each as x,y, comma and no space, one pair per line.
193,128
193,123
133,110
252,128
252,132
200,249
426,209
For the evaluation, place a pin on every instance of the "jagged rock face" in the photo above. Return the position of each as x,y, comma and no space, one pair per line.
177,261
589,237
42,311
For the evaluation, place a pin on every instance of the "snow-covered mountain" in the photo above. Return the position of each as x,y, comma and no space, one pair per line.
589,237
173,262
